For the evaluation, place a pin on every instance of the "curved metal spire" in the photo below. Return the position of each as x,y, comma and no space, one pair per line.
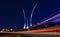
24,18
32,14
27,24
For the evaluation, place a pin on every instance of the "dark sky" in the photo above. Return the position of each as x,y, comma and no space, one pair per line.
11,15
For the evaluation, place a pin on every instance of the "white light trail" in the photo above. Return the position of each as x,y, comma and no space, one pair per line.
58,20
50,19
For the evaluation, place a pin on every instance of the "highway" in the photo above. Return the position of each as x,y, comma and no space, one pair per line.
53,31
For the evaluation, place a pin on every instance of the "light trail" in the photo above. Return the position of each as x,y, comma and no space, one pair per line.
32,14
56,20
50,19
51,15
49,29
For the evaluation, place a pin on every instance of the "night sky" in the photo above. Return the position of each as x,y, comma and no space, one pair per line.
11,14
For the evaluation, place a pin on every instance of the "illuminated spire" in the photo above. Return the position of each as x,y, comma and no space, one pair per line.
24,19
24,27
27,24
32,14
